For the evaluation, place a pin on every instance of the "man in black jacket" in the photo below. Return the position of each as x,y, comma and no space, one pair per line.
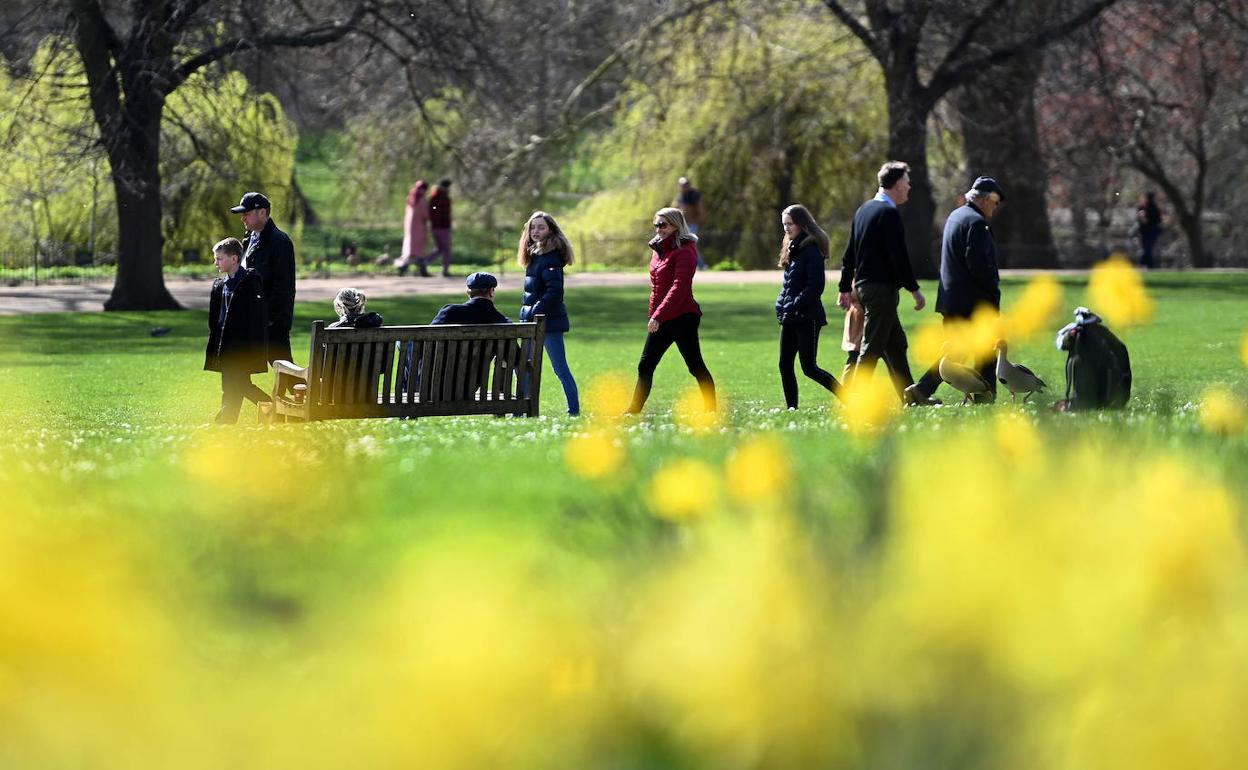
968,278
479,309
876,266
270,252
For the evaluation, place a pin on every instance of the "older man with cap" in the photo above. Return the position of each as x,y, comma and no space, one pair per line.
968,278
270,252
479,309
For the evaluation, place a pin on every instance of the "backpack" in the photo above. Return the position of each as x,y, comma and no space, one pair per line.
1098,368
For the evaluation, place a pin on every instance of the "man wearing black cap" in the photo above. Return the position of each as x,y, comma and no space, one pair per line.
479,309
270,252
968,277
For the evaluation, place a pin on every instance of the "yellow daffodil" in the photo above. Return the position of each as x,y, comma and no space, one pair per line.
1116,291
684,491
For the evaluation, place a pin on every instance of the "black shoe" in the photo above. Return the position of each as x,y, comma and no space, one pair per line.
915,397
446,273
424,271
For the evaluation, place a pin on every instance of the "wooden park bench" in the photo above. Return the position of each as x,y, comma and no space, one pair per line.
415,371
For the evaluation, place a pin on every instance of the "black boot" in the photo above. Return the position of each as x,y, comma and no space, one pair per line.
424,270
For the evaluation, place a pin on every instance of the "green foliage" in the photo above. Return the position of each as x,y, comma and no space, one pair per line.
219,139
386,153
759,113
50,175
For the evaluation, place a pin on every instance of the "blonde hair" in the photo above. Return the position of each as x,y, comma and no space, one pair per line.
676,218
349,302
802,217
556,241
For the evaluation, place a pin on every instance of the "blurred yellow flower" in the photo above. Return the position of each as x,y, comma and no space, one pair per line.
684,490
736,652
608,395
691,413
929,340
869,403
1222,411
596,454
1034,311
1116,291
759,471
1017,437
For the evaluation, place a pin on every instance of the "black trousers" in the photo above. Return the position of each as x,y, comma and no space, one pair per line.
986,366
883,335
235,386
682,330
801,341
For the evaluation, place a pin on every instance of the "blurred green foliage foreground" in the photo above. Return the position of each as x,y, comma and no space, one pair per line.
961,587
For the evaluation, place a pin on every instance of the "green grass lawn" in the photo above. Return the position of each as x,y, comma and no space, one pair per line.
94,369
921,597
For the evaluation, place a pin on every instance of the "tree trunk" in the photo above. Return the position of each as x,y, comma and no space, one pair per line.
1190,222
135,157
1000,139
907,142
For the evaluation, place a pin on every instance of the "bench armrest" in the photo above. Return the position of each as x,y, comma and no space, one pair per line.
286,367
285,376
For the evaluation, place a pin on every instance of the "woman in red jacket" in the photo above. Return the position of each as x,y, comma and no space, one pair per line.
674,315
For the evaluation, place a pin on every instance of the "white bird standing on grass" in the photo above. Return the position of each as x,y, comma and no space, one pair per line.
964,378
1015,377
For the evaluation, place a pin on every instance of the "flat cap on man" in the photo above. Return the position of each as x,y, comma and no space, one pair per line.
482,281
987,184
252,201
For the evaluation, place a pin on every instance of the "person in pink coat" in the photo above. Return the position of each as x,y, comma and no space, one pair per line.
415,229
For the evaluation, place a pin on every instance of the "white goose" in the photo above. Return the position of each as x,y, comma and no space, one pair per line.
964,378
1015,377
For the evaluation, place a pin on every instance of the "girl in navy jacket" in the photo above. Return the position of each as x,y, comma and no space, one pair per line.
799,308
543,253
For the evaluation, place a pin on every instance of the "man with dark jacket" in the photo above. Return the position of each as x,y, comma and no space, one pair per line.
236,331
479,309
876,266
270,252
968,278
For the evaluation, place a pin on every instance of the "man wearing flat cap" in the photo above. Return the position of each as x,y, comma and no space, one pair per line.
968,276
270,252
479,309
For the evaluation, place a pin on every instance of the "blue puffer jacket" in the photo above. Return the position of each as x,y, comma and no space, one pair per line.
543,292
801,297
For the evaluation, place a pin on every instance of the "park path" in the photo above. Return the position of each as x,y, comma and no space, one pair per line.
89,297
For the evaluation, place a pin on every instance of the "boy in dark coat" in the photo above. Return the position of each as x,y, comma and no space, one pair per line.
237,323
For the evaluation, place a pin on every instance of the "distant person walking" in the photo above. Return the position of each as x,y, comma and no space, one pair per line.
1148,224
799,308
674,314
440,222
270,252
415,229
689,201
876,266
237,325
543,252
968,279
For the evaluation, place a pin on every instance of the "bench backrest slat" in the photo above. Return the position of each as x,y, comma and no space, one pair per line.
424,370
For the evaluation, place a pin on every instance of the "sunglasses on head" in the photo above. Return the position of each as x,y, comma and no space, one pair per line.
661,225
